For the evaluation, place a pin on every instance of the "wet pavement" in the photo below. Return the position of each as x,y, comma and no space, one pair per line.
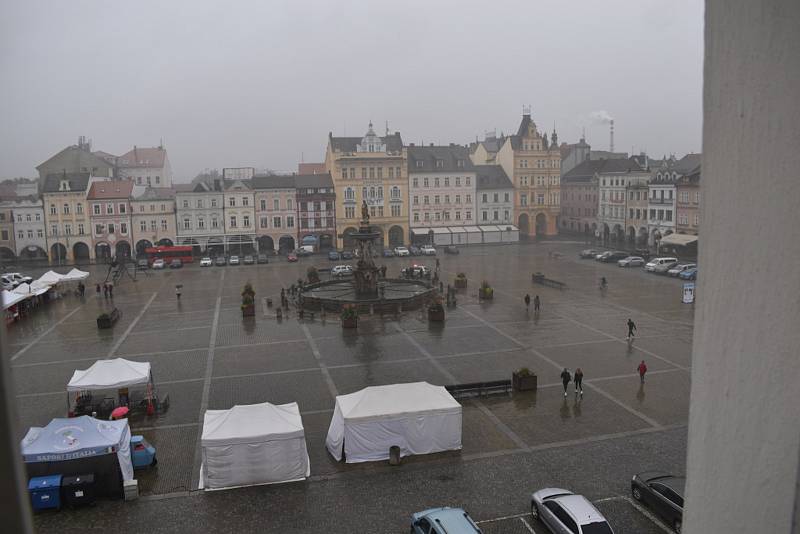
205,356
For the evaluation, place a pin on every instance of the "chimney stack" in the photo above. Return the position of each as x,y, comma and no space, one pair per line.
611,144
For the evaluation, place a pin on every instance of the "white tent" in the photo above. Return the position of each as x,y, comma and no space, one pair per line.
110,374
253,444
10,298
75,275
29,290
50,278
418,417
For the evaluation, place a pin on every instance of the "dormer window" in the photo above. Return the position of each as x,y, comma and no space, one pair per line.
420,163
460,163
64,185
439,163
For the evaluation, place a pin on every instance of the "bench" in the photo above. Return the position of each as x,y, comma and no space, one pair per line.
540,279
480,389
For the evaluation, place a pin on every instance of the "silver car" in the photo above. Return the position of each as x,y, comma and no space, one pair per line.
631,261
564,512
678,269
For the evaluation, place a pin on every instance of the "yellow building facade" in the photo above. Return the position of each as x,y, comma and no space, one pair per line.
369,169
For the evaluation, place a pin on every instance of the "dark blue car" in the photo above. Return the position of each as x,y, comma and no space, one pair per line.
333,255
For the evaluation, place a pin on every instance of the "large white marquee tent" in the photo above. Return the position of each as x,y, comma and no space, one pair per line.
418,417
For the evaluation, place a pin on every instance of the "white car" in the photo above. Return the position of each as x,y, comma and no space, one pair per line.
631,261
401,251
341,270
19,278
563,511
159,264
660,265
205,262
233,260
428,250
678,269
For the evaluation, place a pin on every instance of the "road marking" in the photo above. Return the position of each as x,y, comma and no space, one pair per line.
24,349
131,326
325,373
525,523
637,413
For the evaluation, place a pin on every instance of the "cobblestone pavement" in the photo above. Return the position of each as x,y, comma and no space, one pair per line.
205,356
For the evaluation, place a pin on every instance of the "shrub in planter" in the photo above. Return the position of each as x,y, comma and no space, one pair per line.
312,275
524,380
248,301
486,291
436,311
349,316
461,281
107,320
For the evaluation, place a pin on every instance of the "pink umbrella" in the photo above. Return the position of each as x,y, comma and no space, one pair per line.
119,413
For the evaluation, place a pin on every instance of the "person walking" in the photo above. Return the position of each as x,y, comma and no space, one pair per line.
178,291
97,289
105,290
527,301
631,328
111,291
642,370
565,379
578,381
536,303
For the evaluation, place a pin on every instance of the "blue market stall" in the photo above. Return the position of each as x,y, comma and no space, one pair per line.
80,446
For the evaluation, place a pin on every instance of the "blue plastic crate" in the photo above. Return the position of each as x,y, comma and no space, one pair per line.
45,492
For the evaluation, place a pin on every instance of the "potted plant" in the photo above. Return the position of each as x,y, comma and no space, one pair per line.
312,275
524,380
486,291
349,316
107,320
461,281
248,301
436,311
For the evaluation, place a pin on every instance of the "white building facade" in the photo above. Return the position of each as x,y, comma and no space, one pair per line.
200,217
276,213
613,182
29,228
146,166
240,216
495,195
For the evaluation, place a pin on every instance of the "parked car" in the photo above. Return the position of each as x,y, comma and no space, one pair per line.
8,283
346,255
175,264
563,511
291,257
388,253
206,262
305,250
333,255
443,521
612,256
688,274
660,265
220,261
262,258
233,260
414,250
20,278
643,253
631,261
401,251
588,254
159,264
249,260
679,268
142,264
427,250
663,493
341,270
451,249
415,271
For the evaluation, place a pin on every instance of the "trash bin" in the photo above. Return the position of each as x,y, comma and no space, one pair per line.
394,455
78,490
45,492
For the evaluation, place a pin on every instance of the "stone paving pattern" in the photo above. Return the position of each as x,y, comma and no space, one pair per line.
203,352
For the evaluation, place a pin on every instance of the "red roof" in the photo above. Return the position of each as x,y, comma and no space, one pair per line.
110,189
311,168
143,157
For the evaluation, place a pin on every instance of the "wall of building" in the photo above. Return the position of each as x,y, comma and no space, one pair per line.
456,202
29,228
67,228
158,216
276,221
502,207
744,443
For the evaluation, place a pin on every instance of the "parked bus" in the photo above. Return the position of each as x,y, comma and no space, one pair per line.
183,253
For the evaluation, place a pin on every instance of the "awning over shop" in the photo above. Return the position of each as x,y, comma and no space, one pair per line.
678,239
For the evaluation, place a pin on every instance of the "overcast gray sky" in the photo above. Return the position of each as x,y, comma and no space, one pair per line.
229,84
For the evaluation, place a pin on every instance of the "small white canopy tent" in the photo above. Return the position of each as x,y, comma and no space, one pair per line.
253,444
418,417
50,278
32,289
110,374
75,275
11,297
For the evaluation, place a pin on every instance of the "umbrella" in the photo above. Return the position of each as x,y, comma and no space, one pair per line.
119,413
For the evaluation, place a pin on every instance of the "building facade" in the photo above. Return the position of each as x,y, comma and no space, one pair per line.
687,207
77,159
369,170
148,166
636,215
662,199
579,200
275,213
7,245
29,228
200,217
442,185
69,233
494,195
614,177
534,163
153,218
316,210
110,218
240,216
